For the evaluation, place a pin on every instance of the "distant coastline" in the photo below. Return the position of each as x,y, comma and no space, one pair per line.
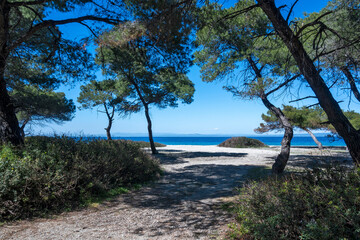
298,140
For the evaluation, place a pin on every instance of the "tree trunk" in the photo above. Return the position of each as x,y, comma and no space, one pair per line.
22,128
152,144
110,120
352,83
108,135
283,157
313,137
9,125
147,115
307,68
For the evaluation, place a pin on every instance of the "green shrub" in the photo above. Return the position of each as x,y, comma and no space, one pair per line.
242,142
324,204
51,174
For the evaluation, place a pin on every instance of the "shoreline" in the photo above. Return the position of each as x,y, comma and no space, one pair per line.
270,146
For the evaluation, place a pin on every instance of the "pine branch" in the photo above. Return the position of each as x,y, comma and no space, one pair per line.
48,23
300,99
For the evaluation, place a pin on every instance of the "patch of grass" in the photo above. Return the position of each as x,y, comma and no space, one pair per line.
52,174
242,142
229,207
95,201
258,172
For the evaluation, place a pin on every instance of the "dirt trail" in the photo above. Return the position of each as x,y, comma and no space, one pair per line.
184,204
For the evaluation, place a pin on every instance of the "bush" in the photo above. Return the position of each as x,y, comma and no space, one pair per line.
324,204
242,142
52,174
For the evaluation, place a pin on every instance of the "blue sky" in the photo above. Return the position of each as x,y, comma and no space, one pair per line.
214,111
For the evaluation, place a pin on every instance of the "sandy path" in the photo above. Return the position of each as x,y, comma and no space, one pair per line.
184,204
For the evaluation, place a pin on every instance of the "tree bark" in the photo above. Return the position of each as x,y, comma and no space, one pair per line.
320,146
152,144
147,115
110,121
22,128
107,129
307,68
9,125
283,157
352,83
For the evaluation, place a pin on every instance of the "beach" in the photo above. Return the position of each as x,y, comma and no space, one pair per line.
185,203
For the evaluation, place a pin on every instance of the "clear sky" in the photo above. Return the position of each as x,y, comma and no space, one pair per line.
214,111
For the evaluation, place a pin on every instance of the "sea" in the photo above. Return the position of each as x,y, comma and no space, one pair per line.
301,140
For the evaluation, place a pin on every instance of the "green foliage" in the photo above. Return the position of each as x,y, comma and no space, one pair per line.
226,43
51,174
35,104
304,118
48,61
242,142
323,204
145,76
106,93
354,118
229,41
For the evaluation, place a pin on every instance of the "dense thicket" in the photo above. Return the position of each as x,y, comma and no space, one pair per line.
51,174
323,204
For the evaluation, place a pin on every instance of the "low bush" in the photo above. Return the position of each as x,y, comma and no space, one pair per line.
242,142
324,204
52,174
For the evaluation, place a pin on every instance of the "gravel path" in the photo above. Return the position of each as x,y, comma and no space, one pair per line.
184,204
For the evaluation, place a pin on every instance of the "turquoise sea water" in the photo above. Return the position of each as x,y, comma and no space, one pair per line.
269,140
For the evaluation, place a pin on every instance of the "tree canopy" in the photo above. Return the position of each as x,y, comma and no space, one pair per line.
37,105
146,77
33,51
110,97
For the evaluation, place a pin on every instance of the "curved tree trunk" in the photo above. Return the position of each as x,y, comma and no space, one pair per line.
9,125
152,144
283,157
320,146
148,119
108,135
110,120
352,83
307,68
22,128
107,129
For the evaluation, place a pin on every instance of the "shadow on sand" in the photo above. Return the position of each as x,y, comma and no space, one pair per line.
177,157
191,194
311,161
